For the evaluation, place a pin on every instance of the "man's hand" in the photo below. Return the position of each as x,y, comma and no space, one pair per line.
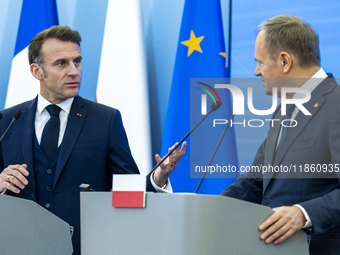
282,224
13,178
163,172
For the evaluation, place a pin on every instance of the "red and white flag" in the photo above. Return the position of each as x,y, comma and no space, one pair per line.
128,190
122,80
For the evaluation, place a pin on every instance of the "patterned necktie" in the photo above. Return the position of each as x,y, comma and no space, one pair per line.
50,135
288,116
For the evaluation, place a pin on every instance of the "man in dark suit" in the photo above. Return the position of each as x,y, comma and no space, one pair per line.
287,55
90,144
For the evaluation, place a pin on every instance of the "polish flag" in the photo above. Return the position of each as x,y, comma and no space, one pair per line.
122,80
128,190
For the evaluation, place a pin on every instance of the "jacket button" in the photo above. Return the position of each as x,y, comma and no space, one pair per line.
48,188
49,171
48,205
32,195
265,202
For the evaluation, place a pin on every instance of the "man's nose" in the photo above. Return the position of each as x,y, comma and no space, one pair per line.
257,70
73,70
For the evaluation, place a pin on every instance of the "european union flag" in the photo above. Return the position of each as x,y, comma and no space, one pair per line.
201,54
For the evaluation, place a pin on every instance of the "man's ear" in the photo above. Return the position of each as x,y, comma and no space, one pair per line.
286,61
37,71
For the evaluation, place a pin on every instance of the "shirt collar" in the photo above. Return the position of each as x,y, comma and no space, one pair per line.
313,82
65,105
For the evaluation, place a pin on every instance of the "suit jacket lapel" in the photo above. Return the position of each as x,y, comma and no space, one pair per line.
302,120
27,135
271,146
292,133
74,124
272,140
313,106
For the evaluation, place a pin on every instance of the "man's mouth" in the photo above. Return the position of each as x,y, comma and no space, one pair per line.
72,84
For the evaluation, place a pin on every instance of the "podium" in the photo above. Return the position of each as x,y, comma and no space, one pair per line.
27,228
178,224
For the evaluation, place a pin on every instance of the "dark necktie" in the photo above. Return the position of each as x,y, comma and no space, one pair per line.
288,115
50,135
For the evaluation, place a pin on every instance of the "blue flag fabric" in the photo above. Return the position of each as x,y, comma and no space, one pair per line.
36,16
200,54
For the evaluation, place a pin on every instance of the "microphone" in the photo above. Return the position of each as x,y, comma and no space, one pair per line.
213,108
213,156
16,116
85,187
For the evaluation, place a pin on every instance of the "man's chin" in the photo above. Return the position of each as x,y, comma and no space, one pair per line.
72,93
268,92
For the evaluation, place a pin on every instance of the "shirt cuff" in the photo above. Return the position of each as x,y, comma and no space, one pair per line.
4,192
308,223
167,189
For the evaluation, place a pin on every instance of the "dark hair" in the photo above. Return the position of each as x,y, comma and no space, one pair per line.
294,35
63,33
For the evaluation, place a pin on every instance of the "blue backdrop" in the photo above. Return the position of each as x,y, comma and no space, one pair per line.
161,24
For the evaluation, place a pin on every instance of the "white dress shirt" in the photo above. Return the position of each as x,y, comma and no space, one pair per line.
42,116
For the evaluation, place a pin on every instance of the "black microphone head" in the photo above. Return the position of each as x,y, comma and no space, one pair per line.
214,106
0,115
17,115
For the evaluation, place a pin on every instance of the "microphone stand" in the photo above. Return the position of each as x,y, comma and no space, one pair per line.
16,116
212,109
213,156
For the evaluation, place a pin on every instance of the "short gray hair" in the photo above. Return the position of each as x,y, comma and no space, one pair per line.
294,35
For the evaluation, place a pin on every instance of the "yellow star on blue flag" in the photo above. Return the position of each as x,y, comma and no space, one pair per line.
193,43
224,54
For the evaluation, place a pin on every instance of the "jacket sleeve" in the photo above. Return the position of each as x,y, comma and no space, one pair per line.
249,186
324,211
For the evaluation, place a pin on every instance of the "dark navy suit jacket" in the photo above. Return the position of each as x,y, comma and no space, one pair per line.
314,141
94,147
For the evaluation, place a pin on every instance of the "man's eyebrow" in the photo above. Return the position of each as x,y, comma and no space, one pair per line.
79,58
59,60
65,60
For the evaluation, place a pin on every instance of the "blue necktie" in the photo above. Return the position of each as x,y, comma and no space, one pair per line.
288,115
50,135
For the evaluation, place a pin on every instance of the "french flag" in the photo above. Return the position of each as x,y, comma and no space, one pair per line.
36,16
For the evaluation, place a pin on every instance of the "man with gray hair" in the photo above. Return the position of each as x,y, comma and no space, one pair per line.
287,55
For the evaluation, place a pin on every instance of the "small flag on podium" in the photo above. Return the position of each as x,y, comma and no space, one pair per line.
128,190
